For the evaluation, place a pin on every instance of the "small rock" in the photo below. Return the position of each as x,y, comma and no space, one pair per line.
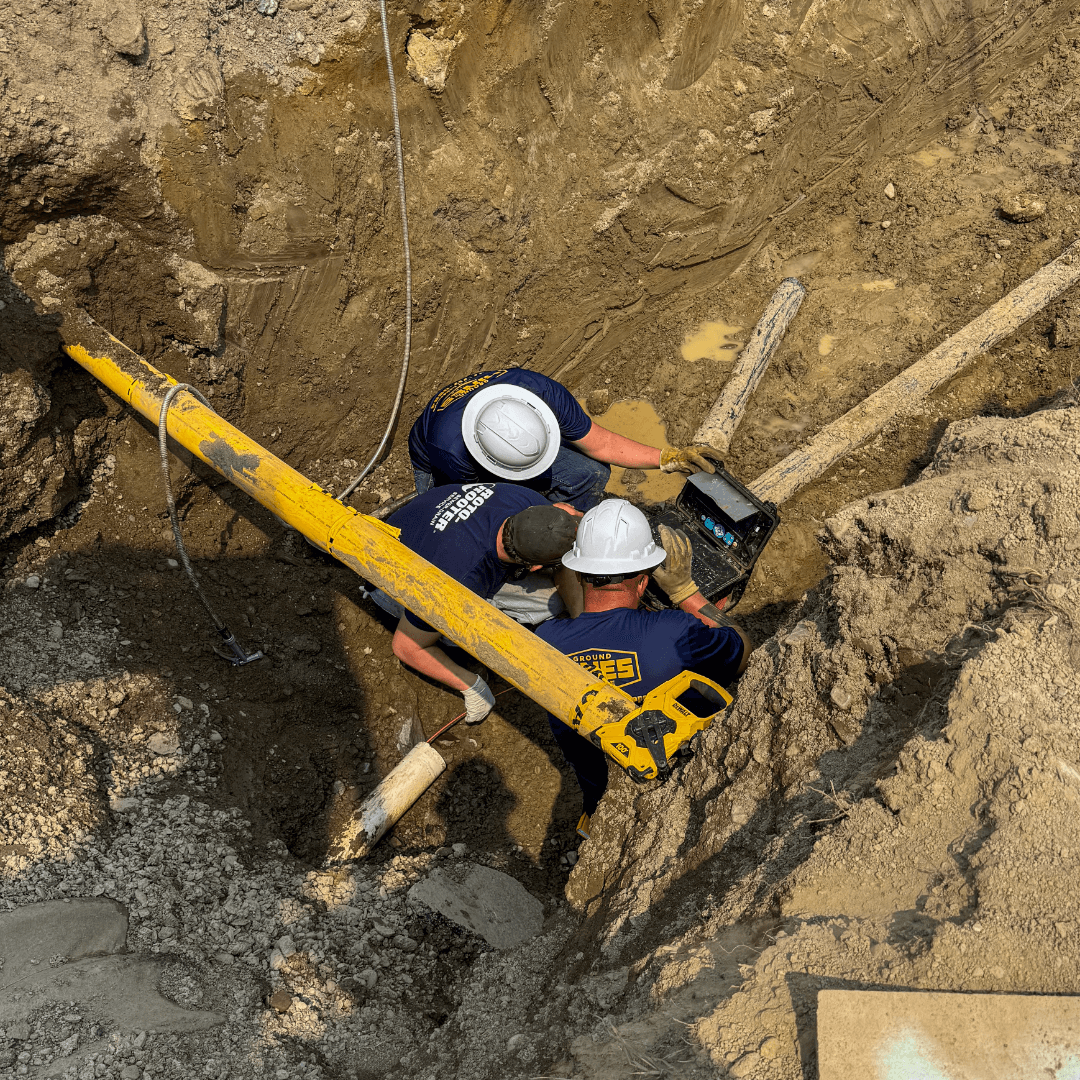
280,1001
126,33
746,1065
978,500
460,849
802,631
382,930
165,45
131,1072
140,1040
172,564
515,1042
368,977
840,697
886,224
215,736
772,1046
32,581
56,632
164,744
184,703
1023,208
19,1032
228,958
890,191
571,858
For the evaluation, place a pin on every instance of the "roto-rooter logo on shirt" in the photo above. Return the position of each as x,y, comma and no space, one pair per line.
461,505
615,666
463,388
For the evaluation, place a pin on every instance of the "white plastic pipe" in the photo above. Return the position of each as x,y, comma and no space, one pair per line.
397,791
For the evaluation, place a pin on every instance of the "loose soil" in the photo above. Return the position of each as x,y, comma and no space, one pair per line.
608,195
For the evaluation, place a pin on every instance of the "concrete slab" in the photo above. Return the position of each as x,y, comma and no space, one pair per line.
76,952
90,926
903,1035
485,901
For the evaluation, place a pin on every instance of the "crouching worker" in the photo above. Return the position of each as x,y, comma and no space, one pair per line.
518,425
478,534
622,643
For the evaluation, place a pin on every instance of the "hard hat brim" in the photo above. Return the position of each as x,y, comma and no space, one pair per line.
484,396
613,566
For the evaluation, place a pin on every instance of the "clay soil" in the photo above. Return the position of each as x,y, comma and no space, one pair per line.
609,195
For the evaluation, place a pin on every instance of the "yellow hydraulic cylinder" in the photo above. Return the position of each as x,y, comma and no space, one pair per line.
362,543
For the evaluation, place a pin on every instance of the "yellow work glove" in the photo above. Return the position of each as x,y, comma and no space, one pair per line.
689,459
673,574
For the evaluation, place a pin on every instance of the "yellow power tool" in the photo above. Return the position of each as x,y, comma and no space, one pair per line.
658,735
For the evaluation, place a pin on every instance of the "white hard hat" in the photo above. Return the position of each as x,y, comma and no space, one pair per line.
510,431
614,537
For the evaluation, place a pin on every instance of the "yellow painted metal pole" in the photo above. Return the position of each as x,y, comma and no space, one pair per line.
362,543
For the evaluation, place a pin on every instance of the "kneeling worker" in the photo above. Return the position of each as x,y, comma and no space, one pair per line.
623,644
477,534
518,425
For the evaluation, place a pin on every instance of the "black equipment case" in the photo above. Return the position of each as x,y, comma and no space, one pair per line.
728,529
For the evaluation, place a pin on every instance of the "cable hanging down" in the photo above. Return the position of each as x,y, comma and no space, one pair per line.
237,655
408,263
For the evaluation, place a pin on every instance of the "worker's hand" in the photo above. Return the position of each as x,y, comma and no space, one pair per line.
689,459
479,701
673,575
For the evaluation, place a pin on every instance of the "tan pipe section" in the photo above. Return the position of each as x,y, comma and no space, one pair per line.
719,426
362,543
904,393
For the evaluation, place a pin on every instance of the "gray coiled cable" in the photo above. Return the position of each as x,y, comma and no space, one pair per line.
239,654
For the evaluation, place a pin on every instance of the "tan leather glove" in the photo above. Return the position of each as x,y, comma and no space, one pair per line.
673,575
689,459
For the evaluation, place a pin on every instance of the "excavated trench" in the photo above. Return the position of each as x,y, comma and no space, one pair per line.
605,194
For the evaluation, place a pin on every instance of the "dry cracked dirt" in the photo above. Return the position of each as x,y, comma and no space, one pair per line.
607,193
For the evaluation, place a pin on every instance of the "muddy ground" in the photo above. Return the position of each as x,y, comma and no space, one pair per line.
608,195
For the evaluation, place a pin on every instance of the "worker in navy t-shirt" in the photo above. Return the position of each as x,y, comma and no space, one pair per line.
478,534
619,642
518,425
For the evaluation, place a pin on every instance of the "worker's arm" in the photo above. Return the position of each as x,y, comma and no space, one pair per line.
709,614
568,585
614,449
417,649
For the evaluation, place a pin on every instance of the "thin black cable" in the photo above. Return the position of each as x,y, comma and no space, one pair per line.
174,520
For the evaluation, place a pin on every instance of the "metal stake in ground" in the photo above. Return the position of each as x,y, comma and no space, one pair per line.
719,426
912,386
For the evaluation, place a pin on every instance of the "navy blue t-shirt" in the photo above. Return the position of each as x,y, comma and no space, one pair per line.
435,442
638,650
456,527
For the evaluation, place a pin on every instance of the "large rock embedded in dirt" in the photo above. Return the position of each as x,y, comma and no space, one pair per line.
485,901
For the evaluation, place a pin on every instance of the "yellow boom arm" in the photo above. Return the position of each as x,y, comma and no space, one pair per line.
370,547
